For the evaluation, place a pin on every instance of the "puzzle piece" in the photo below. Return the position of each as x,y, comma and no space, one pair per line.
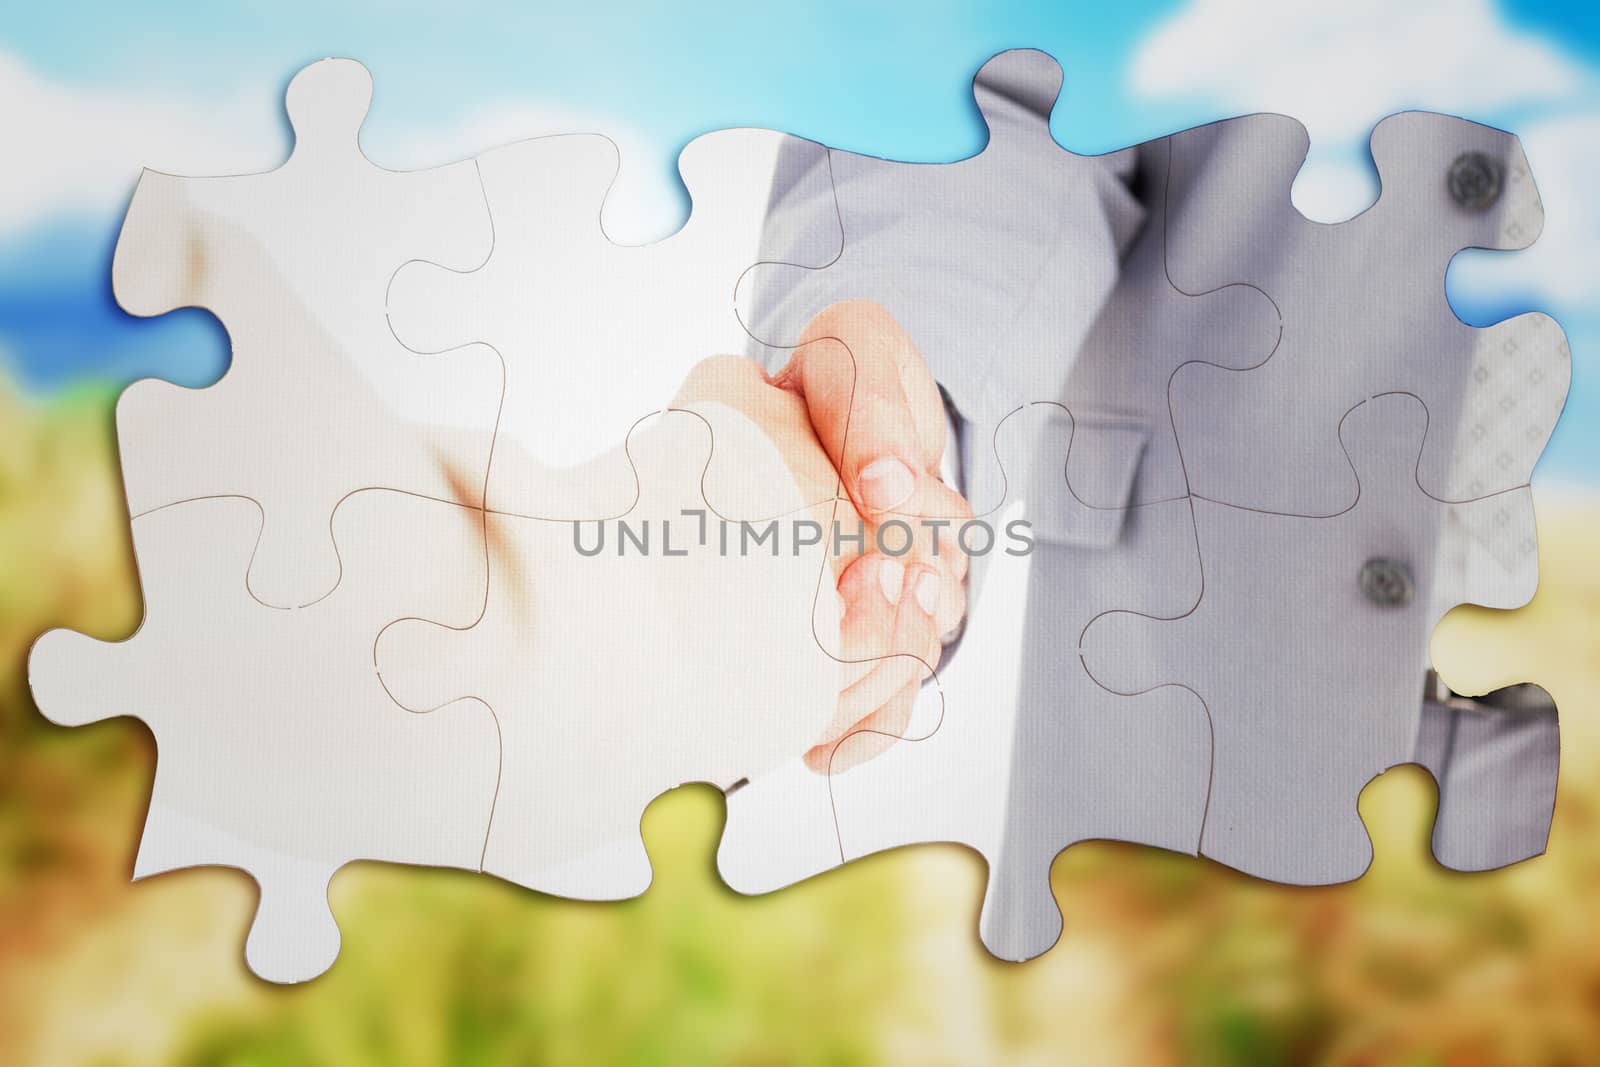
320,400
280,753
619,676
1019,753
1363,313
592,332
995,264
1147,330
1307,643
1495,759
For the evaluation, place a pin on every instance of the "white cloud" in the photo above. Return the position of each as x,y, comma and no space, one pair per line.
77,150
1339,67
73,150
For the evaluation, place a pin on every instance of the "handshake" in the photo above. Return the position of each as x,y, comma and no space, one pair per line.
857,417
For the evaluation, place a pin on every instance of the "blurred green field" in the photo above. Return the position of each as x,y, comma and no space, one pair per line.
1165,959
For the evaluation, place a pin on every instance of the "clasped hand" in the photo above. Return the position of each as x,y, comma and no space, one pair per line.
857,415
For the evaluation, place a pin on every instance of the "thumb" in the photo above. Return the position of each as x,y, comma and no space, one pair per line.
852,369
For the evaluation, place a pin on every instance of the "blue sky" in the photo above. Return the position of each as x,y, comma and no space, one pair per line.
197,88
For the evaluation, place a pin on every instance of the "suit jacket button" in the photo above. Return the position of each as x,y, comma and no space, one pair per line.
1475,181
1387,583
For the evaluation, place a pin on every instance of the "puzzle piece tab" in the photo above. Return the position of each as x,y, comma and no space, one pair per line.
1495,759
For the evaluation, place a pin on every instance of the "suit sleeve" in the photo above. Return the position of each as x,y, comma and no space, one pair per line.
996,287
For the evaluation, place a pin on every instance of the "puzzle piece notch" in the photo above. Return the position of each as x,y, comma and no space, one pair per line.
1364,313
666,305
977,228
1294,745
320,400
279,751
600,661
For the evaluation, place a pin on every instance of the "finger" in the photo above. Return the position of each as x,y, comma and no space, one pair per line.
871,592
918,628
885,612
848,369
940,598
927,528
944,598
885,678
940,539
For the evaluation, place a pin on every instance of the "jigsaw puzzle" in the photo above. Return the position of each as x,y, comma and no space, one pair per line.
1206,474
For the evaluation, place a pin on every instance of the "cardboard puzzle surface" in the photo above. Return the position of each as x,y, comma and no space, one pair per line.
439,572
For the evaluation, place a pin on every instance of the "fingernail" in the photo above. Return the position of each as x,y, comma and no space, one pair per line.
886,484
891,579
928,592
